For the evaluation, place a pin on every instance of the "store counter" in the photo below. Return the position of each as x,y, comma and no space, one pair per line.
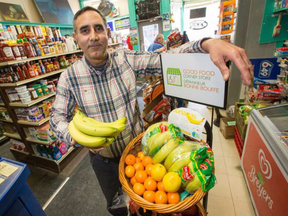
16,198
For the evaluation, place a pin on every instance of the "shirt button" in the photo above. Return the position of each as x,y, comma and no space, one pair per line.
107,92
111,107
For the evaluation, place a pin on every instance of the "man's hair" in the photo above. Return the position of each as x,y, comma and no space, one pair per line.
159,36
83,10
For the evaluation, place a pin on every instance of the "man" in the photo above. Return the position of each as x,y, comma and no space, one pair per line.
103,85
157,44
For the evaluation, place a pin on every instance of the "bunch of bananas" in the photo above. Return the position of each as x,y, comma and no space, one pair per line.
94,134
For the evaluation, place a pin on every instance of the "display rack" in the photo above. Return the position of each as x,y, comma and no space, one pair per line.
226,17
31,157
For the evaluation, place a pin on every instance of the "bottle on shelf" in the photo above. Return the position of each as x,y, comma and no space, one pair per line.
27,74
43,71
28,48
15,50
6,50
21,74
21,49
33,70
14,75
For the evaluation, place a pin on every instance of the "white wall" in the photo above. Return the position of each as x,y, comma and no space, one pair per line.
32,12
212,12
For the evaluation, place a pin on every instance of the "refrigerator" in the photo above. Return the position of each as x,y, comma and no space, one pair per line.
265,160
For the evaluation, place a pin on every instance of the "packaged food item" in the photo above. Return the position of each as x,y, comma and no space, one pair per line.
45,89
38,90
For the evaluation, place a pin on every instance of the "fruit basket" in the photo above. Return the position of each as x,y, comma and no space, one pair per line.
133,148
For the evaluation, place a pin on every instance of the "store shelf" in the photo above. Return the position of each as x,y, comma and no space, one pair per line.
2,104
61,159
35,124
28,139
14,135
38,58
33,102
6,120
31,79
16,150
281,10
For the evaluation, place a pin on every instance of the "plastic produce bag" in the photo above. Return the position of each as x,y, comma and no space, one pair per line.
198,173
157,135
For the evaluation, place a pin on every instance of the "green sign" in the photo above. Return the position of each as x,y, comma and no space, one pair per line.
174,77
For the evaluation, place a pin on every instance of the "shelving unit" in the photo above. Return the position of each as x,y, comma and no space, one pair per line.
230,14
281,10
31,157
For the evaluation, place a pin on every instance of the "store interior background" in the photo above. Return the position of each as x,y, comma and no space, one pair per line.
77,193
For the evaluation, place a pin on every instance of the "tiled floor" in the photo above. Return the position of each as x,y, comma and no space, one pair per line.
230,196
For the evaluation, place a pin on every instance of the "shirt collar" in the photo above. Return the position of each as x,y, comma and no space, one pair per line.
158,42
93,69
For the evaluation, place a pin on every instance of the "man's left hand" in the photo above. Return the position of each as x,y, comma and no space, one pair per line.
221,52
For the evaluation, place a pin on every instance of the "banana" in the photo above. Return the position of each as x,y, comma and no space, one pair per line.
109,141
84,139
193,185
194,121
166,150
119,124
158,141
182,161
92,130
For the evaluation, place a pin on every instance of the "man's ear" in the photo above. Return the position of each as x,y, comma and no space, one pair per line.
75,37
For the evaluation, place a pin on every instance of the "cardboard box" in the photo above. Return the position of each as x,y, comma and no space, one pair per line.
227,130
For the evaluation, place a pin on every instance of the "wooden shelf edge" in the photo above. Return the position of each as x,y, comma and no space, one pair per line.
38,58
2,104
61,159
35,124
19,151
6,120
38,142
32,79
15,135
33,102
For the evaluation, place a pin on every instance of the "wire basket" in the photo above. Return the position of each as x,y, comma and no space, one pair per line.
133,148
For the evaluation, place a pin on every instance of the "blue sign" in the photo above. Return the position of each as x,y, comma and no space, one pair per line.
266,68
110,24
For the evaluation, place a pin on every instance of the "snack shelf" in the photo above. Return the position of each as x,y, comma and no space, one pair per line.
35,124
31,79
6,120
12,135
38,58
33,102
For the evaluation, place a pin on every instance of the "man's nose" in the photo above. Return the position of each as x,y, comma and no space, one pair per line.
94,35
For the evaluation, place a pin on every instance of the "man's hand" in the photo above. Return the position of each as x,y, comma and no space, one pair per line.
73,143
221,52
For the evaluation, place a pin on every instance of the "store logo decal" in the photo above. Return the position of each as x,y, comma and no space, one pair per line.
174,77
265,69
258,180
264,165
198,24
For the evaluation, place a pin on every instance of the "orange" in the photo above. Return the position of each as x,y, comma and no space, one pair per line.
160,186
133,180
150,184
149,196
129,171
173,198
138,188
147,160
141,176
140,155
138,166
160,197
148,169
138,160
130,159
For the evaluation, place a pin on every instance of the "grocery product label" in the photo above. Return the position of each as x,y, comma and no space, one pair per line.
186,174
8,52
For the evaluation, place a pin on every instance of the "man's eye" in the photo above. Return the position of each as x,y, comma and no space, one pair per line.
98,29
84,31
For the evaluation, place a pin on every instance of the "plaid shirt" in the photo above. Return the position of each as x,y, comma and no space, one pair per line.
109,95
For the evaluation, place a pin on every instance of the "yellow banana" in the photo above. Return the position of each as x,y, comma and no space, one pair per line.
119,124
92,129
182,161
166,150
194,121
109,141
84,139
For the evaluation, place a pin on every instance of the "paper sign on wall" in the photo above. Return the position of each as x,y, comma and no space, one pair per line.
193,77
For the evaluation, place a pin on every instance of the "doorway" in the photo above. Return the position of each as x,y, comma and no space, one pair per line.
148,31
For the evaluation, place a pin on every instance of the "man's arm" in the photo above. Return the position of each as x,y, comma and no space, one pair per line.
62,110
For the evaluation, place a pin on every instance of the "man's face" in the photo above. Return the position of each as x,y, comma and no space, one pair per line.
92,36
161,40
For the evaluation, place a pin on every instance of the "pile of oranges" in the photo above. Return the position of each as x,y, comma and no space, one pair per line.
146,179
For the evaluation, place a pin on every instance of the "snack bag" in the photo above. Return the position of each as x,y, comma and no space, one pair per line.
157,135
198,173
